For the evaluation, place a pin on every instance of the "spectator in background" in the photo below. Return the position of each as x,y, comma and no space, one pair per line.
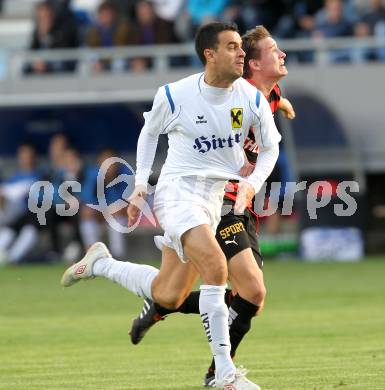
56,152
56,149
249,13
370,23
48,34
298,20
169,11
92,223
233,12
18,226
66,165
333,23
372,14
149,29
108,31
65,18
125,8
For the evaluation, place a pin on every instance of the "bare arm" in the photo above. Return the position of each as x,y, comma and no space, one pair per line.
287,108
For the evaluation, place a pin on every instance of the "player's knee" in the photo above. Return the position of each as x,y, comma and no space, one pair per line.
215,273
260,308
170,300
213,268
257,295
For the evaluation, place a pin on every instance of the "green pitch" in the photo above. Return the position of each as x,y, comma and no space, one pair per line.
323,328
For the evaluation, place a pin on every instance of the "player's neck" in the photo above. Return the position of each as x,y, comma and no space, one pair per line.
264,85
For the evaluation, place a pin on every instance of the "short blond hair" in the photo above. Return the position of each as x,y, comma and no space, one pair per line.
250,46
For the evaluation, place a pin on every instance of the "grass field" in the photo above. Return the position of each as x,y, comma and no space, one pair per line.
323,328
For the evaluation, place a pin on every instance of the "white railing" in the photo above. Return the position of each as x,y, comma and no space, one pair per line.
120,84
160,54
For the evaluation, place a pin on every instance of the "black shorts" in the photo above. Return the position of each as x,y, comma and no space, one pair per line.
238,232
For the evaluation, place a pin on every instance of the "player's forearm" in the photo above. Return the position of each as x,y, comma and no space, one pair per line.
285,105
145,154
267,158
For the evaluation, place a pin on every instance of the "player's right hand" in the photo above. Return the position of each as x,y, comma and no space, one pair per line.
247,169
245,195
136,202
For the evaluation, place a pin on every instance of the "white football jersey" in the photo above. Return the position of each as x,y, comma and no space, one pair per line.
206,127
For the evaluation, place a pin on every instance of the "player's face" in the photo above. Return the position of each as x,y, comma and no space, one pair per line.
272,59
229,56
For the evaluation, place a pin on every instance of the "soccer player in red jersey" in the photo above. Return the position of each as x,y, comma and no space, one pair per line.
264,67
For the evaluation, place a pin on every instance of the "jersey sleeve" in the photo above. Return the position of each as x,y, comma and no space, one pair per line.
155,123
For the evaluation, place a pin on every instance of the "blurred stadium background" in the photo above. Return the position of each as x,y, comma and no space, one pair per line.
76,76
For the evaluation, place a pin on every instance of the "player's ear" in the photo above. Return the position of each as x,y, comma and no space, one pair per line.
254,65
209,55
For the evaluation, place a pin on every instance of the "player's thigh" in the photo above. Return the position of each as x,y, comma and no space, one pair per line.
202,249
236,233
247,277
174,281
232,235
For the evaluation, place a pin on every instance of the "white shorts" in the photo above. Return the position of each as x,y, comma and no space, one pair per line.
184,203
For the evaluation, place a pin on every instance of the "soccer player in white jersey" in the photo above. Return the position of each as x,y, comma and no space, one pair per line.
236,234
207,117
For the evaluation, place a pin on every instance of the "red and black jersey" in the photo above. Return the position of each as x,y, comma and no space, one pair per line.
250,146
274,98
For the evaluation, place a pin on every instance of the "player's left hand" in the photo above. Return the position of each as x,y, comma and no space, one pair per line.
247,169
287,109
245,195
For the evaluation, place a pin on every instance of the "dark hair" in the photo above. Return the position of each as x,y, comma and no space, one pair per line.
207,37
106,5
250,46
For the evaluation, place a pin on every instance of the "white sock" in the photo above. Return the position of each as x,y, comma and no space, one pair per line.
137,278
25,241
116,241
7,235
90,231
215,315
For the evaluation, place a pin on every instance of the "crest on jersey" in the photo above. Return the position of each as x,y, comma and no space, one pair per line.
236,117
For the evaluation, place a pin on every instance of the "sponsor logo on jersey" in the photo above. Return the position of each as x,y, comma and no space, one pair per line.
251,145
201,119
231,230
204,144
236,117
